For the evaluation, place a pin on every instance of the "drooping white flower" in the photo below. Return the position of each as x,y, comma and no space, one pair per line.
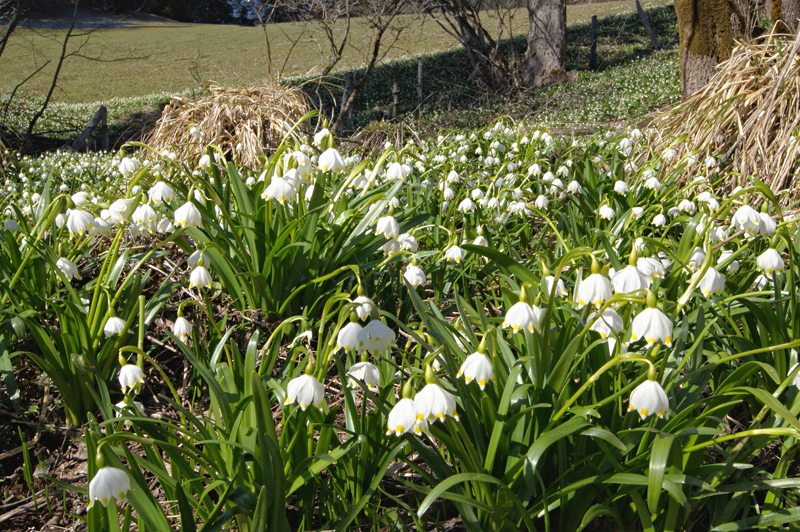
200,277
760,282
574,187
480,240
766,225
466,205
101,227
652,325
79,222
161,193
521,317
414,275
477,367
403,418
188,216
651,268
114,325
454,254
696,259
747,219
408,243
649,398
366,372
376,337
349,337
434,402
637,213
629,280
659,220
687,206
733,267
305,390
606,212
387,226
711,284
391,247
130,377
108,483
770,261
620,187
595,289
609,323
129,166
541,202
560,290
182,329
281,190
138,408
652,183
320,135
68,269
331,160
146,217
365,306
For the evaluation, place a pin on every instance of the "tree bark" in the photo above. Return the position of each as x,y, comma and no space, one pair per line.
546,57
787,11
706,29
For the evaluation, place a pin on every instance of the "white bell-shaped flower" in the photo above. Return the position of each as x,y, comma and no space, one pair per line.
145,216
477,367
188,215
770,261
182,329
130,377
650,268
136,406
388,227
108,483
365,306
200,277
349,337
414,275
331,160
68,269
129,166
391,247
466,205
608,324
649,398
651,324
521,317
733,267
541,202
376,337
366,372
480,240
653,183
306,391
696,259
79,222
659,220
620,187
629,280
403,418
747,219
113,325
711,284
408,243
281,190
434,402
161,193
454,254
595,289
606,212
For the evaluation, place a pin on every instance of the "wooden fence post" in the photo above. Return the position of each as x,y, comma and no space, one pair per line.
650,33
82,142
395,92
419,89
593,48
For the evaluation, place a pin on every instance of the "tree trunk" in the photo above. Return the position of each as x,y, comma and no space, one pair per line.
707,29
546,57
787,11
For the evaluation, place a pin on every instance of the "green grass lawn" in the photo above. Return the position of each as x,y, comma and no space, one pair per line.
154,58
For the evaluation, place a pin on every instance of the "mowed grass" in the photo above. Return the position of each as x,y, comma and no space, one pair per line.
152,58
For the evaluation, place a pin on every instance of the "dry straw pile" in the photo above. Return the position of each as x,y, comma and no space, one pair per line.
747,116
257,117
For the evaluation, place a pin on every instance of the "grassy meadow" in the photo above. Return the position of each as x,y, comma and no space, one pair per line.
150,58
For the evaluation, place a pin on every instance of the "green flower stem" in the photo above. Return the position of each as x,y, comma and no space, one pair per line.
142,354
745,435
94,308
592,379
284,324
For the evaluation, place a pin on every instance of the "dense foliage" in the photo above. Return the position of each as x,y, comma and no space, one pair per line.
523,331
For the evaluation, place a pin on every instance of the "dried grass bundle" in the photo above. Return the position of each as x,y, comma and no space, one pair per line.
257,117
746,116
